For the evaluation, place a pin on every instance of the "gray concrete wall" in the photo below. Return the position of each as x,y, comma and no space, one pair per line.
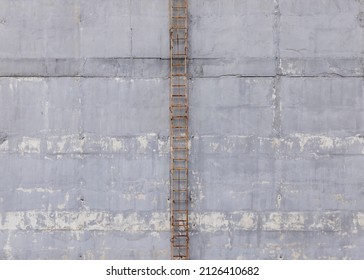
276,122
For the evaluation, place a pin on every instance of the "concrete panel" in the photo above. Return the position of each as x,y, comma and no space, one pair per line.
323,106
39,28
231,106
125,107
234,24
320,29
150,28
22,105
104,28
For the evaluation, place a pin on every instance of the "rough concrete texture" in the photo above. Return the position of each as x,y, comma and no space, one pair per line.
276,122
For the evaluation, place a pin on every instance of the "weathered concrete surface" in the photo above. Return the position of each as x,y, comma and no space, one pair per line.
276,122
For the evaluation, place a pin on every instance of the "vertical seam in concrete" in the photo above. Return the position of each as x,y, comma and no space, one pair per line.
361,12
79,20
276,99
81,128
131,30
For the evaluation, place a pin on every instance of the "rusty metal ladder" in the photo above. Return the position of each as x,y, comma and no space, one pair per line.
179,193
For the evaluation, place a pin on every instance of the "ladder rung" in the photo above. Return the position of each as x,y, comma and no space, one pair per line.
179,220
181,236
180,200
179,38
185,222
180,138
183,115
179,75
182,120
180,148
180,179
179,106
179,7
180,245
179,95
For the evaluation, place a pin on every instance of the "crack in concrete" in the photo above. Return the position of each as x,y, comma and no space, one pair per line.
276,99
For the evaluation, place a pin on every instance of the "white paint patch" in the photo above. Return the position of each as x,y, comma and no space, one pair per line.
303,139
32,79
39,190
289,143
197,195
360,219
144,141
138,196
328,221
137,222
272,222
326,142
278,201
213,221
155,234
29,145
4,146
163,146
65,144
214,146
276,143
339,197
111,144
293,221
7,248
64,204
46,113
159,221
291,69
247,221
